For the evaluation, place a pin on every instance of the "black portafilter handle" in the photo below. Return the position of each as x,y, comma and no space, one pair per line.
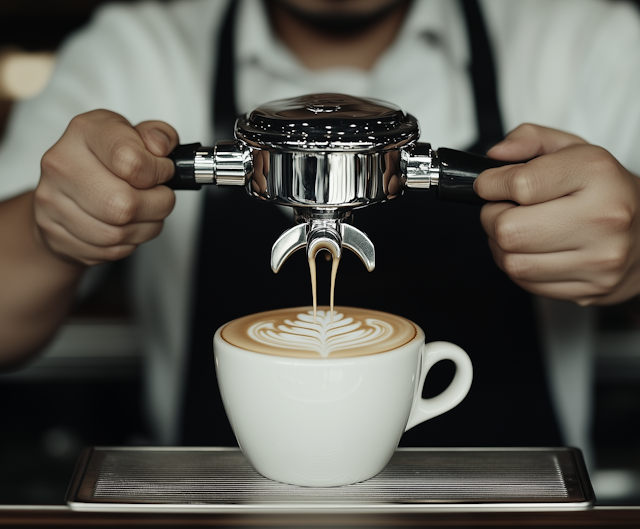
458,171
184,159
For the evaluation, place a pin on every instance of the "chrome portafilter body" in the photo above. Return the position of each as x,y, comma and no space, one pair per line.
324,188
327,155
325,180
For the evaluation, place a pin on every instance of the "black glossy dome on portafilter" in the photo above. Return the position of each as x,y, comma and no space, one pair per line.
327,122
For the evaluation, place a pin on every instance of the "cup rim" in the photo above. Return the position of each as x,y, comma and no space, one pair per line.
419,337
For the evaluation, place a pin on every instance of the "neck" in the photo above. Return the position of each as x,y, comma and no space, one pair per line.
318,49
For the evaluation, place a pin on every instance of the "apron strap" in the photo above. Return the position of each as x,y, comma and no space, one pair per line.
483,77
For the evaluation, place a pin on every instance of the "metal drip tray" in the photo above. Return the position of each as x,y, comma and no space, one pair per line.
416,479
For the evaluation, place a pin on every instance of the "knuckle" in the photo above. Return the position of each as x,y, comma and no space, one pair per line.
43,198
525,130
169,204
127,161
521,185
47,233
89,260
528,128
618,219
586,302
602,288
156,230
608,283
89,119
120,208
611,267
115,253
113,236
601,160
515,267
81,121
614,260
507,235
53,161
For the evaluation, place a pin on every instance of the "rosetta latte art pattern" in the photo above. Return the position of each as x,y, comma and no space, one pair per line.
324,336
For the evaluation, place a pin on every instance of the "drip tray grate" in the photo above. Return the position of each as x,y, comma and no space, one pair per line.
221,479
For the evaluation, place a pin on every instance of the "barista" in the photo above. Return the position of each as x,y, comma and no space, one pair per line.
563,225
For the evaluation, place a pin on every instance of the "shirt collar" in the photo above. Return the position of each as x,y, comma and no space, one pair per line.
428,23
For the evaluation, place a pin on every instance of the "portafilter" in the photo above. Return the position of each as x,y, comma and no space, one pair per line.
326,155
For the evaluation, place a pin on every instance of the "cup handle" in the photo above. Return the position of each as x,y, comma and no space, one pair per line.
425,409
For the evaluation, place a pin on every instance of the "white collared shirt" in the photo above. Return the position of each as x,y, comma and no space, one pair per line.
568,64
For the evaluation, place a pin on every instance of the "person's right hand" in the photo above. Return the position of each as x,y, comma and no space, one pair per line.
98,196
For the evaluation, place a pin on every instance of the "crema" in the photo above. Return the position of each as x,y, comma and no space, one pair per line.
347,332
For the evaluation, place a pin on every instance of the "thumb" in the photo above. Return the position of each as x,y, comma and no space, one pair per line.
158,137
528,141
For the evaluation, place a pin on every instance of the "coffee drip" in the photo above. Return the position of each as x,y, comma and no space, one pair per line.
335,262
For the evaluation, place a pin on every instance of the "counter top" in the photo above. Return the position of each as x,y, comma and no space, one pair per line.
50,516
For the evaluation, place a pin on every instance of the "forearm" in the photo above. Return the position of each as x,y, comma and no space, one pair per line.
36,286
98,198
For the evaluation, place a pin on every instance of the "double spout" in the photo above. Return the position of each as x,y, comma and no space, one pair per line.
317,233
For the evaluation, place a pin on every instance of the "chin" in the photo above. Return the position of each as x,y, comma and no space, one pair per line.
352,7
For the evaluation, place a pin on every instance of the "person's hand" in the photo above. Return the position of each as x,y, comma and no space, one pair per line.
566,224
98,196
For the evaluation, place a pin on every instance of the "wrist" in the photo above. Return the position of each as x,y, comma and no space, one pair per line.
43,250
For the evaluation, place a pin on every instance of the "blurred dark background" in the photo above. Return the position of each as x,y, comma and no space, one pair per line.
42,24
86,388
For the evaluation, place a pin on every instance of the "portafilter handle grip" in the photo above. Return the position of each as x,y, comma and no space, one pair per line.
458,171
183,158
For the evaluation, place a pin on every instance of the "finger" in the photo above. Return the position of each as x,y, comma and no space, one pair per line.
119,147
60,241
106,235
580,292
555,226
528,141
102,195
97,233
119,204
547,267
541,179
158,137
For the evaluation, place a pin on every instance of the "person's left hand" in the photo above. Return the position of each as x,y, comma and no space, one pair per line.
566,224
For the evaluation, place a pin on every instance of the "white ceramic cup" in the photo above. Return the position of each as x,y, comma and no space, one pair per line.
327,422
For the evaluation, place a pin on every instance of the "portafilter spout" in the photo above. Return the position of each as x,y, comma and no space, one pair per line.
323,231
327,155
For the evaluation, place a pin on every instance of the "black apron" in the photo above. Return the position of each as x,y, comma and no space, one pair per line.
433,266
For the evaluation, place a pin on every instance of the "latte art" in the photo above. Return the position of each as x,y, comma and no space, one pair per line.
293,332
324,336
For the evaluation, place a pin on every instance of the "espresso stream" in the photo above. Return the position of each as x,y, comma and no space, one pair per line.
312,332
314,288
